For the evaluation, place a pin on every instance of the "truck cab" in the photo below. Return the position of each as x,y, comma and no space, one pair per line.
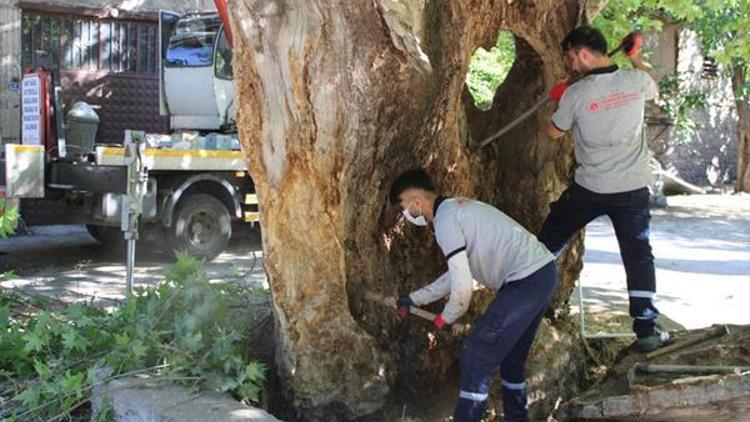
198,184
197,87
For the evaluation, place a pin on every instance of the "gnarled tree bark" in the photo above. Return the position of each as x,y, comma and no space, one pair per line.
743,123
335,99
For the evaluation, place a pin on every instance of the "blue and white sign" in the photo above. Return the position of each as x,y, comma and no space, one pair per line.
31,110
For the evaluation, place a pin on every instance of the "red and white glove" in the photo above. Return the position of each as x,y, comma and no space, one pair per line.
557,91
440,324
632,43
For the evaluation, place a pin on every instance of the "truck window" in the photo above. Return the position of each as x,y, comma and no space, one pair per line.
223,62
190,50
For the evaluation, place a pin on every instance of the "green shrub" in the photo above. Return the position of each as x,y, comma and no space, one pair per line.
182,330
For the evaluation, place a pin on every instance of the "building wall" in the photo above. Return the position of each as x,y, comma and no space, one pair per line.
11,69
706,155
137,6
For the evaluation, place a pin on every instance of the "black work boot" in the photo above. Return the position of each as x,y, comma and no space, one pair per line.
656,340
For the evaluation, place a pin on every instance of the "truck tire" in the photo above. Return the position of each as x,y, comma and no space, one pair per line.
94,232
110,237
201,226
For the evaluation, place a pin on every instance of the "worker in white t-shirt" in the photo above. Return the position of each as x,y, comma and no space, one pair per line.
483,244
604,113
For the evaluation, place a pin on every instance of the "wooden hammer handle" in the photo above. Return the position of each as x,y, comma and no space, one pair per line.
390,302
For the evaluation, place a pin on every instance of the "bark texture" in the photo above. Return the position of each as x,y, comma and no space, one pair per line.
336,98
743,138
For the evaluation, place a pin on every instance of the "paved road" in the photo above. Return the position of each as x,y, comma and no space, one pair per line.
67,263
702,249
701,244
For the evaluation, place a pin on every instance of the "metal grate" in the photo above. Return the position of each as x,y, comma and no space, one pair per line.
74,42
111,64
710,68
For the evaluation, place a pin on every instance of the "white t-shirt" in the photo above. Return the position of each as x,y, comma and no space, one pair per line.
481,243
604,111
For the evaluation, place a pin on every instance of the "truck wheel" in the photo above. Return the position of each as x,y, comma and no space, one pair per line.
94,232
201,226
109,237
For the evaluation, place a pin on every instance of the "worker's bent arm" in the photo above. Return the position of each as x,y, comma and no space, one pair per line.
461,287
452,242
438,289
553,132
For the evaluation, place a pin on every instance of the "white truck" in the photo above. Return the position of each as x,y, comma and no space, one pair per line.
198,185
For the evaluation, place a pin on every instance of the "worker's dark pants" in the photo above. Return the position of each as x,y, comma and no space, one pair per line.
501,339
630,216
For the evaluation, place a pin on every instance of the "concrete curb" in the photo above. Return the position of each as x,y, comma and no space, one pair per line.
143,400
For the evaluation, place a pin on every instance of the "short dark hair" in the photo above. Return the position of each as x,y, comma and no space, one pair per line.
414,178
585,36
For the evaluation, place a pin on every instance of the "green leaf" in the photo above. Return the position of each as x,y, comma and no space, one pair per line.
9,275
255,371
227,383
250,391
72,383
74,312
4,317
30,397
91,373
122,340
34,342
139,349
105,413
41,369
192,342
73,341
8,219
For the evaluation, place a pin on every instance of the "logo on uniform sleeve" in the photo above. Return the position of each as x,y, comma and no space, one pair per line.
594,106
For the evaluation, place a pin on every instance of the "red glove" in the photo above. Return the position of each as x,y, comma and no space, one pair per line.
632,43
440,324
557,91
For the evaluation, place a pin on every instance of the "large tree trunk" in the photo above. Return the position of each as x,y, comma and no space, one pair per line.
335,99
743,138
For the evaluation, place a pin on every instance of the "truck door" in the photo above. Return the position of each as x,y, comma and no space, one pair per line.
223,81
167,22
189,73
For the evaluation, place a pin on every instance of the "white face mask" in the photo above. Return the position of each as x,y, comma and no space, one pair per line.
417,221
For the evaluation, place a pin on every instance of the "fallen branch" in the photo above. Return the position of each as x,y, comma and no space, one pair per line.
677,180
718,332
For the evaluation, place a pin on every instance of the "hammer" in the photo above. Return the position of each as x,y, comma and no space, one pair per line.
390,302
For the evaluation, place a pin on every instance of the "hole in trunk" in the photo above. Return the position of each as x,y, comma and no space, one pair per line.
522,87
488,69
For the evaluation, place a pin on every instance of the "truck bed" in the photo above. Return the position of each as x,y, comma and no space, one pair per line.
176,159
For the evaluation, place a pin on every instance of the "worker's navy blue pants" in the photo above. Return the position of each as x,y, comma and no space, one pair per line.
630,217
501,339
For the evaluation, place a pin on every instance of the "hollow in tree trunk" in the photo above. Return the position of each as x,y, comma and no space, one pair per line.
336,98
